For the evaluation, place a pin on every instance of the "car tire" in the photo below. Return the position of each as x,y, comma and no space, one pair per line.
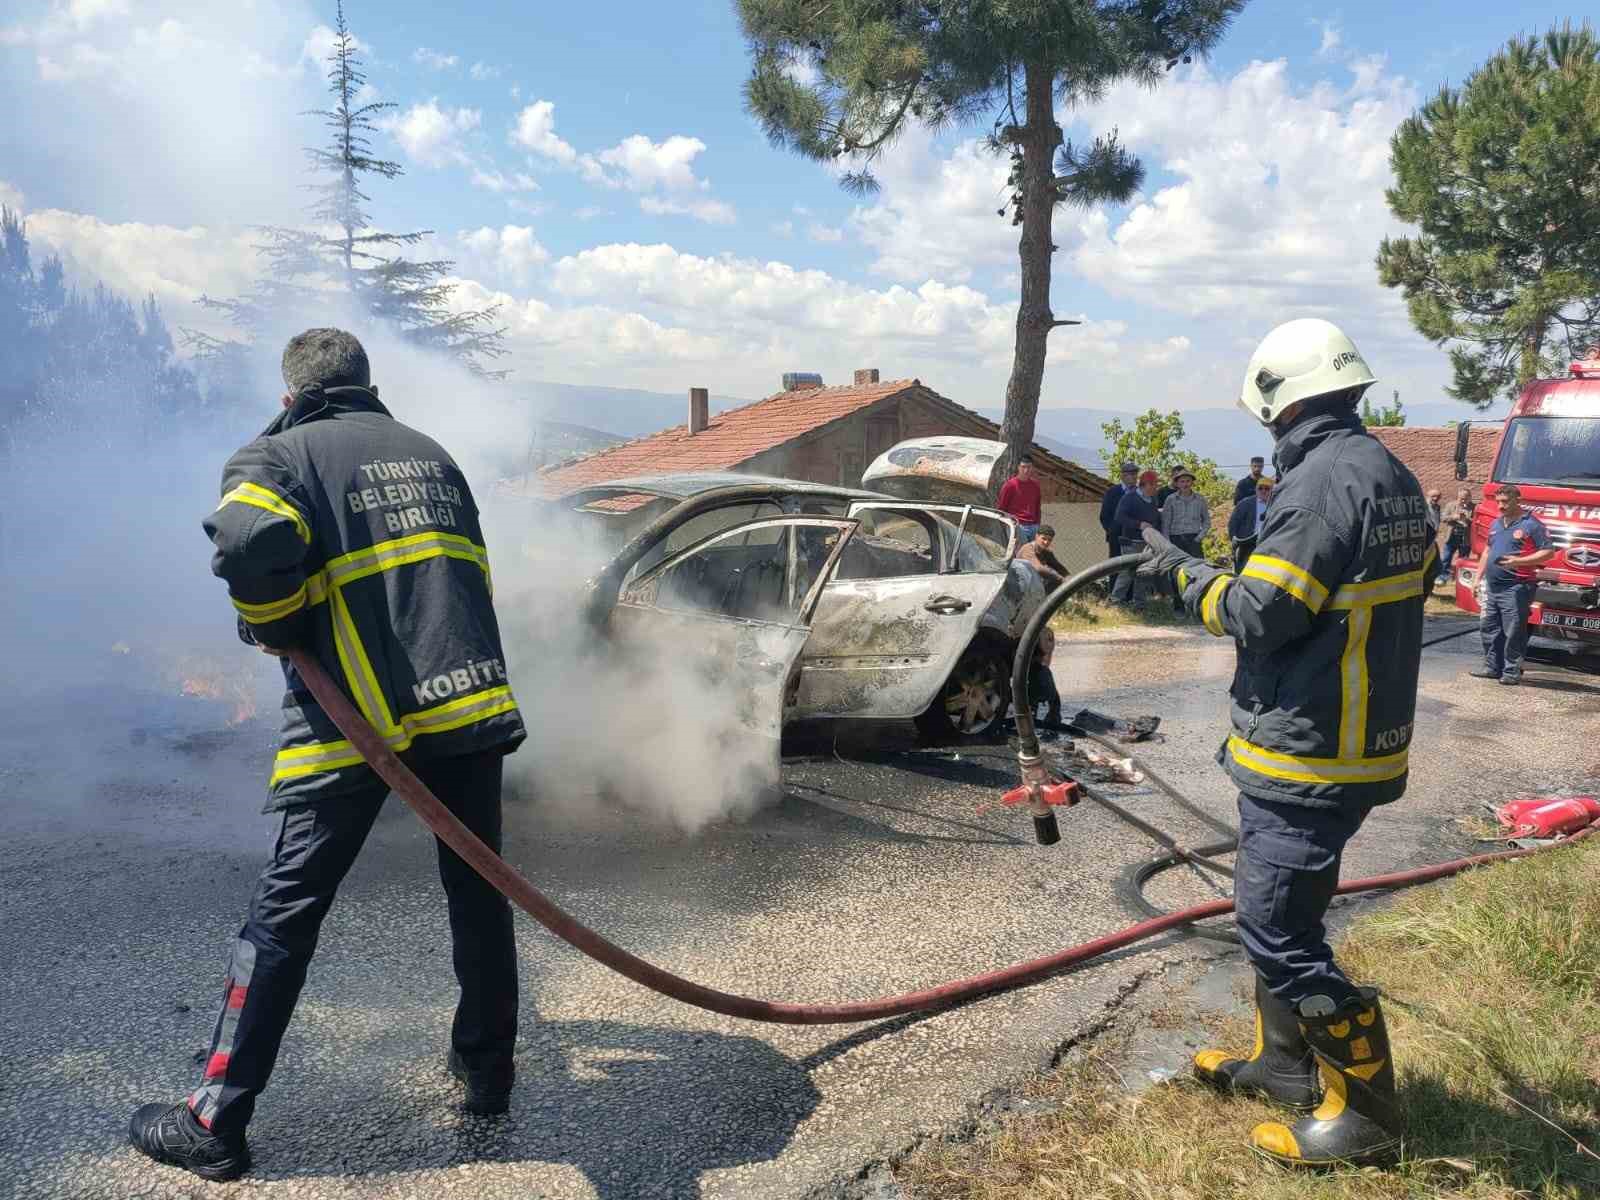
973,701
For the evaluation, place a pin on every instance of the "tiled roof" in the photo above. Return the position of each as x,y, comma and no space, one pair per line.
731,438
740,434
1430,452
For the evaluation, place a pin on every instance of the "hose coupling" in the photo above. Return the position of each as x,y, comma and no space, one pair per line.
1043,795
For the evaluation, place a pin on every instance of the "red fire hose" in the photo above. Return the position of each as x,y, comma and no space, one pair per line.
532,901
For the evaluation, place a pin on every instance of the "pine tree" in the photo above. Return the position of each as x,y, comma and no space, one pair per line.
362,262
838,81
1502,178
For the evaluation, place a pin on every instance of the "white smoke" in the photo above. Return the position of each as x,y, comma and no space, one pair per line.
638,724
108,586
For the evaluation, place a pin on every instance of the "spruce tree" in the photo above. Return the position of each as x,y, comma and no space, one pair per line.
345,251
838,81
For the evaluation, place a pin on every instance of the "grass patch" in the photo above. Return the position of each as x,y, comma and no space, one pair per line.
1093,612
1492,993
1443,603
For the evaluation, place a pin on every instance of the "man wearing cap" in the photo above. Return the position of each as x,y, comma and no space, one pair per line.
1244,523
1247,486
1136,512
1108,507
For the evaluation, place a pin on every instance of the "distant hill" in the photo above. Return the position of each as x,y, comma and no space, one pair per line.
1225,435
622,412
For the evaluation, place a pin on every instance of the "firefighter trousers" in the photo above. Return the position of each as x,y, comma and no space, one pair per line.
316,845
1284,875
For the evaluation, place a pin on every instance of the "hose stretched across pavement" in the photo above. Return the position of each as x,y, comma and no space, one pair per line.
511,883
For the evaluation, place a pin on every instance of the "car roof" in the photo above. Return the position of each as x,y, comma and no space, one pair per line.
681,487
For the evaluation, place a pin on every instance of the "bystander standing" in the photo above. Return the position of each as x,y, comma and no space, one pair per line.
1518,542
1020,497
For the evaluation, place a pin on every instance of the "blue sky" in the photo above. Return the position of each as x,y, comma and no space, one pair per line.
592,169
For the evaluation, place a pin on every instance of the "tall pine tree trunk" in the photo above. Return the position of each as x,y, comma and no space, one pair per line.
1038,139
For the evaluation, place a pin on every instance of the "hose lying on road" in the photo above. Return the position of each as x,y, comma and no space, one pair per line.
510,882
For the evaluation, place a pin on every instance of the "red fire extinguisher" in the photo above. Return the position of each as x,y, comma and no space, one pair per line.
1548,816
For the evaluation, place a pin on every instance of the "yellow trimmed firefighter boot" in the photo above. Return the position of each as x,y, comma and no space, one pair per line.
1281,1066
1358,1120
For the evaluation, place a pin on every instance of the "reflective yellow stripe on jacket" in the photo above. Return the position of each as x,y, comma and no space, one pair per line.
326,586
1287,577
274,610
1316,770
298,761
1359,599
260,497
1209,615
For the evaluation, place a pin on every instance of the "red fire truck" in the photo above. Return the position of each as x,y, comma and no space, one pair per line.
1549,448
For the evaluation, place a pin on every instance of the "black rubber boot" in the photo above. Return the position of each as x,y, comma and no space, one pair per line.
170,1133
488,1090
1358,1120
1280,1067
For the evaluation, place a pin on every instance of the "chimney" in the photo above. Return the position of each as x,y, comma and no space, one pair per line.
699,410
801,381
866,375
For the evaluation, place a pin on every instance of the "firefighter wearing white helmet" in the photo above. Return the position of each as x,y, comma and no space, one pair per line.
1326,616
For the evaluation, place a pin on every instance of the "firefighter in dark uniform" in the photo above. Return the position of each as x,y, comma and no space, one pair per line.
1326,614
349,534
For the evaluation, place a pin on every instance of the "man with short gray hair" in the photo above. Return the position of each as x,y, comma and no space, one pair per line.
350,536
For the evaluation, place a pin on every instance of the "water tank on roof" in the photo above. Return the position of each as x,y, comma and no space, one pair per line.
801,379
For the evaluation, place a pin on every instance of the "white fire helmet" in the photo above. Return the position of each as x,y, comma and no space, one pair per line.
1298,360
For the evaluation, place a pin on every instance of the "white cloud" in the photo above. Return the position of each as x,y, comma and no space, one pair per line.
935,214
433,60
1332,39
664,171
175,265
431,135
713,212
171,39
481,71
496,181
648,315
1278,201
535,132
783,229
509,253
319,45
73,62
588,212
84,13
641,165
818,232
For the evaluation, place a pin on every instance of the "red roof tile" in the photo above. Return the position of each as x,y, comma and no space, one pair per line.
732,437
740,434
1430,452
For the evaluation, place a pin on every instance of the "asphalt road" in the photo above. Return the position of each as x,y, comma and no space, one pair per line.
128,855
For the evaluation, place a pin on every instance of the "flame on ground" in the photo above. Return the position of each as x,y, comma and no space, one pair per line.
213,681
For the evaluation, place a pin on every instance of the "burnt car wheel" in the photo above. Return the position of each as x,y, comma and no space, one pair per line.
972,703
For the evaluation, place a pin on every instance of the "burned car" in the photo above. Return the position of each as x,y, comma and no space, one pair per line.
845,602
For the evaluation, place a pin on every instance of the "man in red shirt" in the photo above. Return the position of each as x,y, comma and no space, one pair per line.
1019,497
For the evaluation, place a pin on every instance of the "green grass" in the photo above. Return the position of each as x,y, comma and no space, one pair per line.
1492,993
1084,614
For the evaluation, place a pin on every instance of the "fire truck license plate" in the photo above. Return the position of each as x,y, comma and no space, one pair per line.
1570,620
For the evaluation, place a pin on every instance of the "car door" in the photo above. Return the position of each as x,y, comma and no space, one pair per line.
905,601
725,621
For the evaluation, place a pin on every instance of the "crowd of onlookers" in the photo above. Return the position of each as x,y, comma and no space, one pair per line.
1141,498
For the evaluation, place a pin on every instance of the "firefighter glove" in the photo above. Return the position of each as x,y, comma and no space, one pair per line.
1161,558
